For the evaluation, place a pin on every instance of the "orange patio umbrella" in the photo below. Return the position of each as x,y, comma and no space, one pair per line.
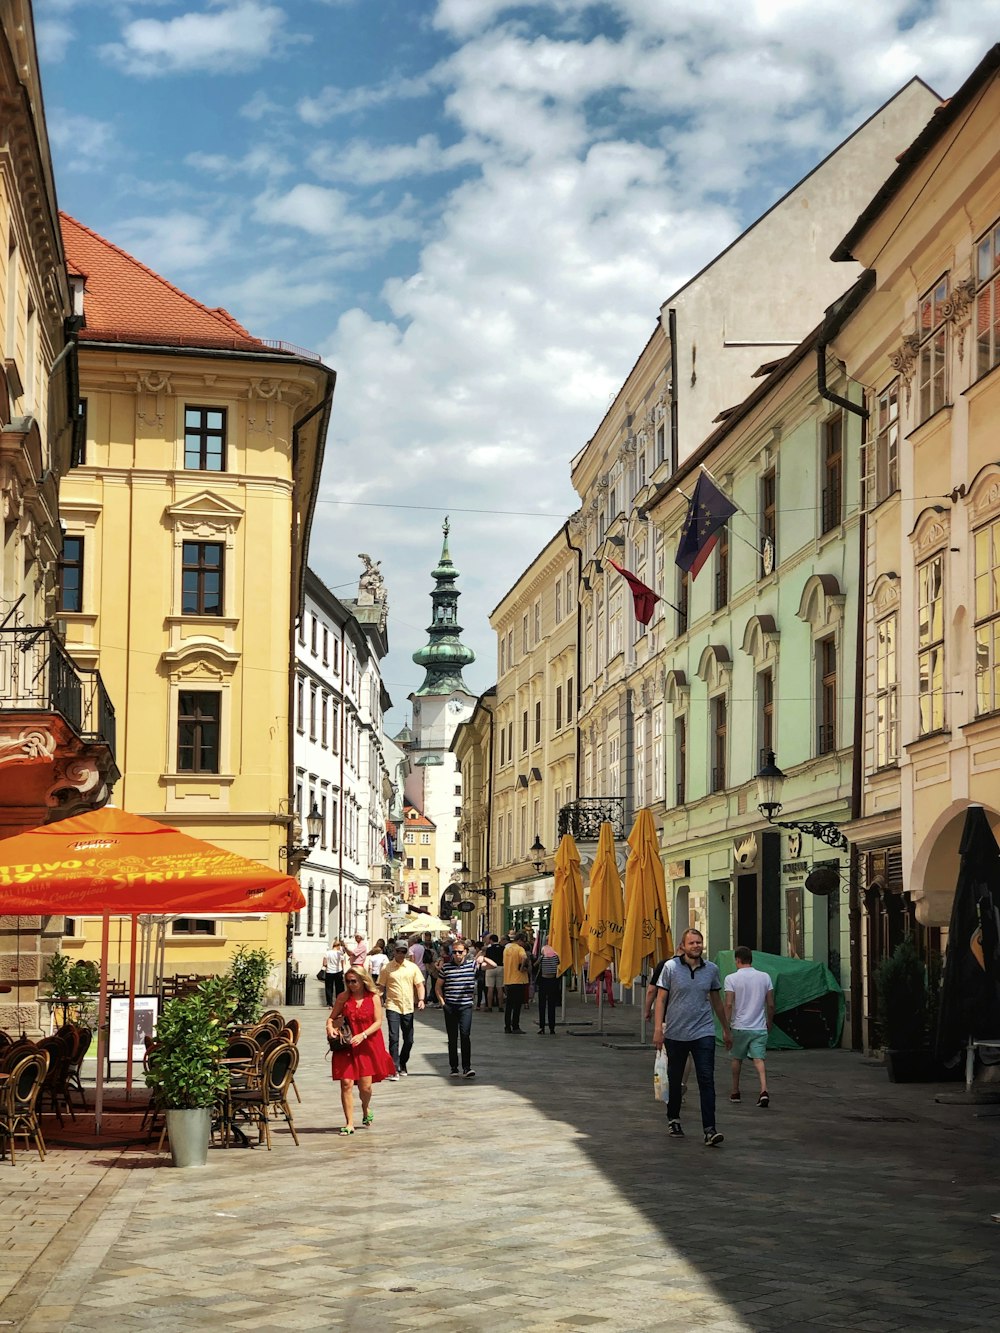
603,930
567,904
647,925
111,863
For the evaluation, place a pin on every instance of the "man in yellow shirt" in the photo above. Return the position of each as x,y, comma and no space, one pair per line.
515,982
402,985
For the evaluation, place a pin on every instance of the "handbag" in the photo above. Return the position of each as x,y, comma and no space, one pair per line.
321,974
340,1039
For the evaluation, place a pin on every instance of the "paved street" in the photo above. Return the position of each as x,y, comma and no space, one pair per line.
541,1195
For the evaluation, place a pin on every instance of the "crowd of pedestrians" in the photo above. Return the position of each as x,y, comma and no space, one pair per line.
685,997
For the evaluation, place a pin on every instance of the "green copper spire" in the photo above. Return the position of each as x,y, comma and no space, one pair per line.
444,655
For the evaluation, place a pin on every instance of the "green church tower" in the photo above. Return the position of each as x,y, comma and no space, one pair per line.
444,655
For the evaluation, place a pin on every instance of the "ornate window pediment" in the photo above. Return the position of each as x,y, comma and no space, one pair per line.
984,494
200,658
822,602
760,639
677,691
930,532
715,667
885,594
204,515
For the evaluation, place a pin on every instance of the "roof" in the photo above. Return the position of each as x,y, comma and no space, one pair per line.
124,301
944,118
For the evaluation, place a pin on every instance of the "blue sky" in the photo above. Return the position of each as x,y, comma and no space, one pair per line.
472,209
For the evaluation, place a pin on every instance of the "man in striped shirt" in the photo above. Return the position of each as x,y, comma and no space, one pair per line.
456,989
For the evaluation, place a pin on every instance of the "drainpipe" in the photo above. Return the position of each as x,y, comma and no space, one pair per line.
674,381
834,322
578,689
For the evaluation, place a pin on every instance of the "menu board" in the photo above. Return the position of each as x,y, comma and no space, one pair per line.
145,1011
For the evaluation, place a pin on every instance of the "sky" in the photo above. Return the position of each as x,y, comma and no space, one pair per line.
471,209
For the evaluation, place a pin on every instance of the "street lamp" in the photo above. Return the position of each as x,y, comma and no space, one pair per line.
770,781
538,854
314,825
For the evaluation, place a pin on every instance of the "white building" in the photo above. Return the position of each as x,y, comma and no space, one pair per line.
340,763
440,705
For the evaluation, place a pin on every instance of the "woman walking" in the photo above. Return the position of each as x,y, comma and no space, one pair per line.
365,1061
547,980
334,962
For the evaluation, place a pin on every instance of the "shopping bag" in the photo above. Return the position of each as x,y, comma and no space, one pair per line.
660,1076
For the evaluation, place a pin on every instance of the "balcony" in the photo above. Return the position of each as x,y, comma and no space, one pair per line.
583,818
57,732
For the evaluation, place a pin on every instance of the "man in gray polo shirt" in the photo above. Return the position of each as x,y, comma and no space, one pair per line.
689,989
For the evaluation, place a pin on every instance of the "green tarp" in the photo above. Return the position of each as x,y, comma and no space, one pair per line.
808,1001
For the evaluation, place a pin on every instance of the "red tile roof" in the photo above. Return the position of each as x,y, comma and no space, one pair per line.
124,301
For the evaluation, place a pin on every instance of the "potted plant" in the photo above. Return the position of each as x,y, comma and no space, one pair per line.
184,1069
901,984
248,973
71,985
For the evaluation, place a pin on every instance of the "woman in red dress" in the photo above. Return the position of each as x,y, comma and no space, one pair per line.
365,1061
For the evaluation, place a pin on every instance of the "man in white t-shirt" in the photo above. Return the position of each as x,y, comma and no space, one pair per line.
750,1010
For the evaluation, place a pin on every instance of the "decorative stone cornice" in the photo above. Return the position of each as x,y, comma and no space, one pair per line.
885,594
957,310
930,532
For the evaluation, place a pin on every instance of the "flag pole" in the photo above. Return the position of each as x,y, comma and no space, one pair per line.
739,509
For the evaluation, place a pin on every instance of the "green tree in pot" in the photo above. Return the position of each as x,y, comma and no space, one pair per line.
72,987
249,970
184,1070
901,983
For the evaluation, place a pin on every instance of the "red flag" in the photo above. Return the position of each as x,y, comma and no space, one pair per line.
644,598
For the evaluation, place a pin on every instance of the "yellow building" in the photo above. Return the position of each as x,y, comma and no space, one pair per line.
926,345
534,771
421,872
187,516
472,746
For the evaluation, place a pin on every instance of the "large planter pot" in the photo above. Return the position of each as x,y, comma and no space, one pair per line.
911,1066
189,1133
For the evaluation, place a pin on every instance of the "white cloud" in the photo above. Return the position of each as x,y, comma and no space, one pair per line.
327,214
260,160
234,38
81,142
331,102
362,162
54,38
175,242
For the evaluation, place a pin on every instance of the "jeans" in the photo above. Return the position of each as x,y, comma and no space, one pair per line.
400,1023
458,1023
702,1051
548,998
480,987
516,995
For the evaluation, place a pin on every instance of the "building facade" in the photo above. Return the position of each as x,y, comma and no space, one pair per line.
57,720
340,762
473,745
926,344
189,505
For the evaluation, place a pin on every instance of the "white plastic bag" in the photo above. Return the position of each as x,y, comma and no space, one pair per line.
660,1076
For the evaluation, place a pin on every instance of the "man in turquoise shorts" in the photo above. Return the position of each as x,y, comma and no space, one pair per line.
750,1010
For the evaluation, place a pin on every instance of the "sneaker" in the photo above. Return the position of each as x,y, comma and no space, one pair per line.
518,1032
674,1129
454,1073
403,1074
393,1078
763,1101
713,1138
469,1073
735,1097
541,1032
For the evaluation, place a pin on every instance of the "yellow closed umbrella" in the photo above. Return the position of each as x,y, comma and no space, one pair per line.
605,910
647,921
567,903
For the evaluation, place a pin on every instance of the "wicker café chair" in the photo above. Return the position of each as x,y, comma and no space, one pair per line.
82,1038
290,1034
261,1104
273,1018
18,1096
54,1087
12,1053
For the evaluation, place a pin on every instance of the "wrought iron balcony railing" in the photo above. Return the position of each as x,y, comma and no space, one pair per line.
583,818
38,675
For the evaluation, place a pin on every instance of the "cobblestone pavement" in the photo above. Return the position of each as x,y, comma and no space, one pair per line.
541,1195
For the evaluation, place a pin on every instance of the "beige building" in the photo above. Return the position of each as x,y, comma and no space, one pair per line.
926,344
472,746
189,508
534,729
421,871
57,723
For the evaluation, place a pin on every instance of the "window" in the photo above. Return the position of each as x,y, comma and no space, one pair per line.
457,858
833,473
503,746
616,627
826,658
881,450
458,790
930,644
425,839
409,863
559,593
79,456
720,727
680,758
658,755
614,765
300,706
312,712
988,301
524,635
325,722
322,811
661,443
409,837
768,521
334,726
559,708
722,569
425,888
503,654
310,896
326,646
639,762
538,722
336,658
886,693
458,812
765,711
932,385
987,566
201,578
425,863
537,618
524,732
313,640
570,594
569,700
683,593
205,439
198,731
71,575
189,925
